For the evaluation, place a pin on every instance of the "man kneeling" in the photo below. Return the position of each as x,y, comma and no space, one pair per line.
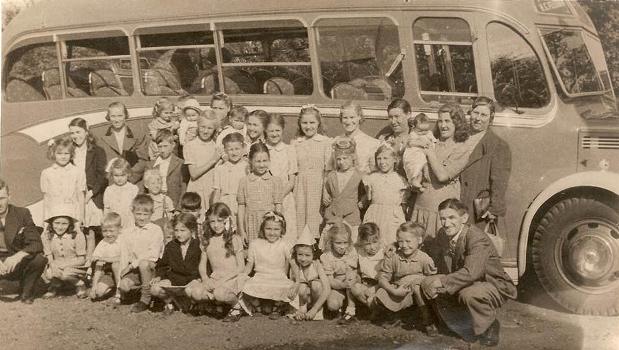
471,284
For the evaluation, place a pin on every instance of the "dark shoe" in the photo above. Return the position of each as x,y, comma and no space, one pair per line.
139,307
491,336
233,316
27,301
431,330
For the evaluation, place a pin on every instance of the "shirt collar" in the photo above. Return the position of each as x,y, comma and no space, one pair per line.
279,147
412,258
455,238
65,168
317,137
253,177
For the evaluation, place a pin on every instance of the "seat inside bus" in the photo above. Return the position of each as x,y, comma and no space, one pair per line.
105,83
18,90
160,81
278,86
52,87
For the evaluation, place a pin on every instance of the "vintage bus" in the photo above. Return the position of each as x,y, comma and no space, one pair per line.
541,60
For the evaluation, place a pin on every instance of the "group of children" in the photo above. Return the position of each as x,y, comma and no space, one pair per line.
231,218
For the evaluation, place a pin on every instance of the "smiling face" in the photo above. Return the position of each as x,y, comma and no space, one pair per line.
167,114
62,155
340,243
407,242
217,224
110,233
60,225
78,135
234,150
272,231
304,255
452,221
142,216
181,233
446,126
117,117
274,134
309,124
260,163
191,114
255,129
206,129
385,161
480,118
350,120
398,120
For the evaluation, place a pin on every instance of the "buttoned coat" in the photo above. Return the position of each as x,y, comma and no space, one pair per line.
20,233
135,146
96,181
343,200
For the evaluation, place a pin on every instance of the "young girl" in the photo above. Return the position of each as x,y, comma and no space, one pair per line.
63,184
236,124
65,250
414,159
179,264
370,252
284,166
340,263
163,110
259,192
256,125
269,258
314,150
222,255
341,195
201,156
401,274
388,194
120,193
313,284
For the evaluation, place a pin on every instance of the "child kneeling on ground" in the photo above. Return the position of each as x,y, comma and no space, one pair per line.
401,274
141,249
106,259
371,253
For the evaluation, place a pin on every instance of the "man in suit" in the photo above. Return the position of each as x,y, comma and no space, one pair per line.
20,246
471,285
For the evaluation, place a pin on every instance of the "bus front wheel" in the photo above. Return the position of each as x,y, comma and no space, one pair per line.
575,254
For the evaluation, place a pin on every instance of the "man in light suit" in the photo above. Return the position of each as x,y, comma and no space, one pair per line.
21,249
471,285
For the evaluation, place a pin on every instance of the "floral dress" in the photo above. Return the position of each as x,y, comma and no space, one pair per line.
259,195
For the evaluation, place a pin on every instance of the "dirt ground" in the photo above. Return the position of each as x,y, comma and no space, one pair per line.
69,323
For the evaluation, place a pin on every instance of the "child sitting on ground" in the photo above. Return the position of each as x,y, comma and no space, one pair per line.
414,160
179,264
106,259
142,247
401,274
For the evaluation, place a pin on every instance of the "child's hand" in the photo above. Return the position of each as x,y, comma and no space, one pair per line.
400,291
292,292
299,316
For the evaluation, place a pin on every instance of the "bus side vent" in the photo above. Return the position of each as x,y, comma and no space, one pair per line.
599,142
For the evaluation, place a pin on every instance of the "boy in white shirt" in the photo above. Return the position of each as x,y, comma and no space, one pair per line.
106,259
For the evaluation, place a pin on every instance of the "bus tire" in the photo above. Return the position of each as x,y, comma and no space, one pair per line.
575,254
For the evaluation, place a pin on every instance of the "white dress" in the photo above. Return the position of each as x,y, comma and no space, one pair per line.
388,191
283,164
195,152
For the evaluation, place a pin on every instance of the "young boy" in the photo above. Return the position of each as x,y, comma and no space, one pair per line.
237,118
227,176
142,247
414,159
164,207
106,259
191,203
168,164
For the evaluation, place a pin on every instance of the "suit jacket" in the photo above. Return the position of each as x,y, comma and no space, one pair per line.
20,233
135,146
174,179
475,259
173,267
488,169
343,200
96,161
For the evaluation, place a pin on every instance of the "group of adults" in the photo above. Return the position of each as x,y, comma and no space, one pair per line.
468,162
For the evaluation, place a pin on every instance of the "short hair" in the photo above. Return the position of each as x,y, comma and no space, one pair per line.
220,96
238,112
3,184
275,217
368,232
461,125
111,219
418,119
356,107
336,229
142,201
233,137
310,109
262,115
455,204
191,201
256,148
412,227
81,123
401,104
164,135
60,142
114,105
485,101
276,118
151,174
188,220
120,164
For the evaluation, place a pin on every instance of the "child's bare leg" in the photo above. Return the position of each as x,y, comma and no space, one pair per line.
350,307
116,274
426,172
416,181
304,297
146,275
335,300
358,292
225,296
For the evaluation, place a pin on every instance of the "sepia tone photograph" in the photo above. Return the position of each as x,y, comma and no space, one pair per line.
268,174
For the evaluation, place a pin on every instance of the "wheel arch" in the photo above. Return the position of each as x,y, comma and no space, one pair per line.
601,184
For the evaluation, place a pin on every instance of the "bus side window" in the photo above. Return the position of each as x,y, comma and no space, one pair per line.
91,72
444,54
517,74
360,58
270,60
25,69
